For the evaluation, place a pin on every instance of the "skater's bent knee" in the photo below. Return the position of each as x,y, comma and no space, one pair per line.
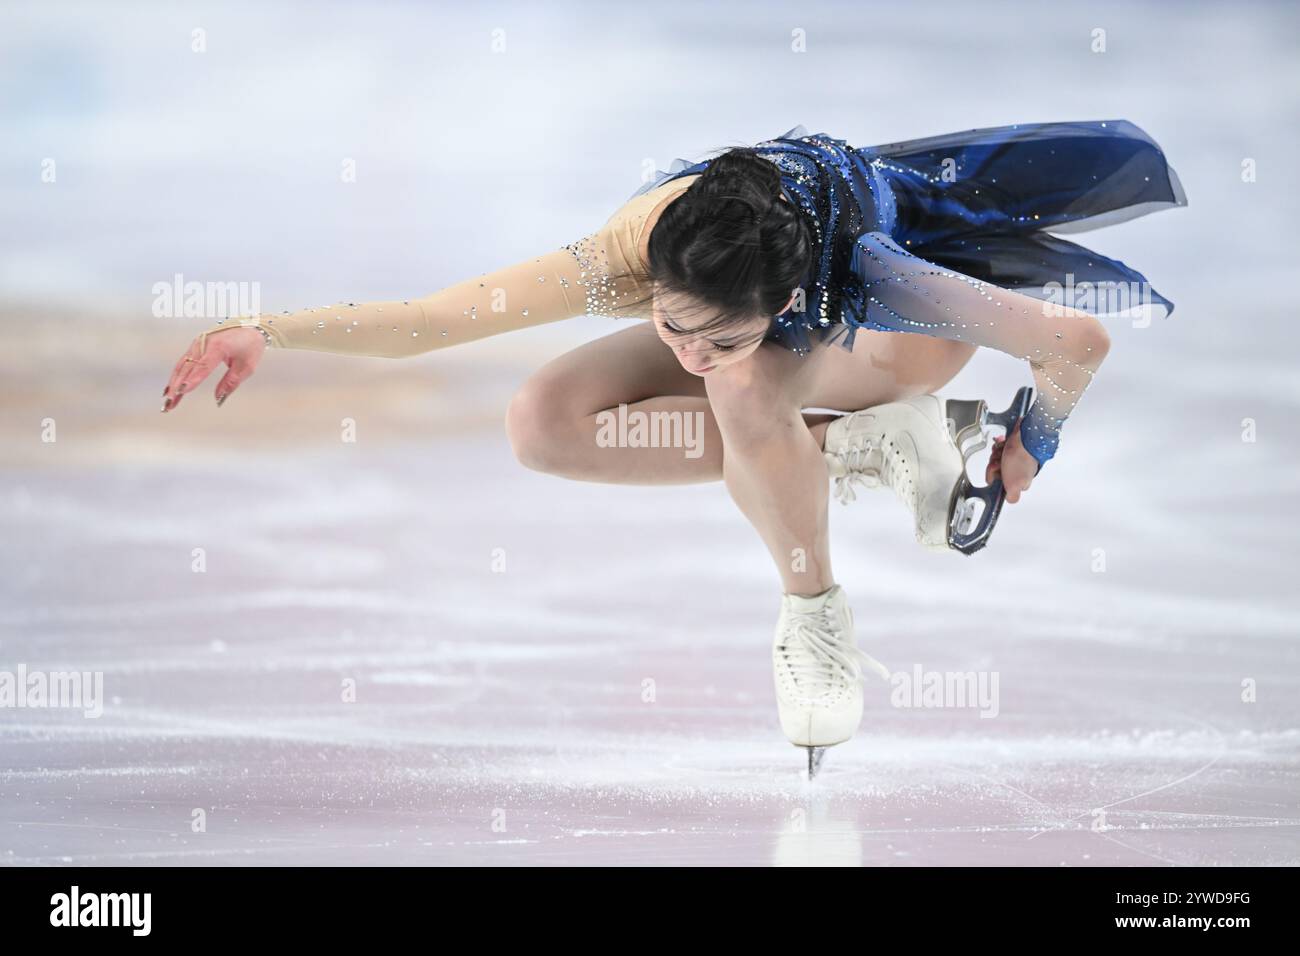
750,411
536,428
736,395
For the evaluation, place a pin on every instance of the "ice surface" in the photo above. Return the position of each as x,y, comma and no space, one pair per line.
517,697
505,717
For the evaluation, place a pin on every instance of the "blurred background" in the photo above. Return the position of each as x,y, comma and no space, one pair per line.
498,626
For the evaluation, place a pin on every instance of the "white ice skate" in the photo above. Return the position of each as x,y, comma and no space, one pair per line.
818,666
919,447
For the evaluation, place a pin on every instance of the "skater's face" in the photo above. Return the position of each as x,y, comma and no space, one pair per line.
676,317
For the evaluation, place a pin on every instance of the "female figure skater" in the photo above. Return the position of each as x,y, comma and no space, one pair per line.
749,266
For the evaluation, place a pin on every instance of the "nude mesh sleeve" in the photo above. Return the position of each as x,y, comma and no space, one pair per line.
599,274
544,289
1064,347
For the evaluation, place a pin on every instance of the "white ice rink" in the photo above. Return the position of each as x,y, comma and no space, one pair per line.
551,672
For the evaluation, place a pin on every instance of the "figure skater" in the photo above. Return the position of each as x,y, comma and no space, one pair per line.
749,267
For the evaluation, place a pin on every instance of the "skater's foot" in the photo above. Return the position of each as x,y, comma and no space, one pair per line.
818,670
919,447
906,446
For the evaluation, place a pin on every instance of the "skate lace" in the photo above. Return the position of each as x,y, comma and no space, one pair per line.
816,655
856,471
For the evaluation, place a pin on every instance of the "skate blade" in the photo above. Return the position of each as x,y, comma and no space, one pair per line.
815,757
967,420
969,525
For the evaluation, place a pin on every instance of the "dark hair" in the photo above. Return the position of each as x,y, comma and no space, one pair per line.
731,242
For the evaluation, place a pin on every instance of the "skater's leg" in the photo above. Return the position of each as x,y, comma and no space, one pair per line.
883,367
773,466
552,421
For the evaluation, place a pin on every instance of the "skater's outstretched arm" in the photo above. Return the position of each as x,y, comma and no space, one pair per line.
601,274
1063,346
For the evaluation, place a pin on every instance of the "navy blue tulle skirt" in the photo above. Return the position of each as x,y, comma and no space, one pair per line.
991,204
1013,187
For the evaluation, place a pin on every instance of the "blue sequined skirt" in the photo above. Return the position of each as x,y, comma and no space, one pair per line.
989,203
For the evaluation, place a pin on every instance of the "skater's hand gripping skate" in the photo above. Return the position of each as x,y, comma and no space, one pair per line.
239,347
1012,463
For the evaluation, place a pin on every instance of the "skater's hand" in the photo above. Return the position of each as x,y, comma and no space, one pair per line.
239,347
1012,463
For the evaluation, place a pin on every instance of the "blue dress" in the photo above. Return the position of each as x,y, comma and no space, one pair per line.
926,235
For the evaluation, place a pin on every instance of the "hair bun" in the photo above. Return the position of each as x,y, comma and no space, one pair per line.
744,174
730,242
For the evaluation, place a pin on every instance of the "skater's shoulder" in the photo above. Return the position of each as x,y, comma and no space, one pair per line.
665,195
631,223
